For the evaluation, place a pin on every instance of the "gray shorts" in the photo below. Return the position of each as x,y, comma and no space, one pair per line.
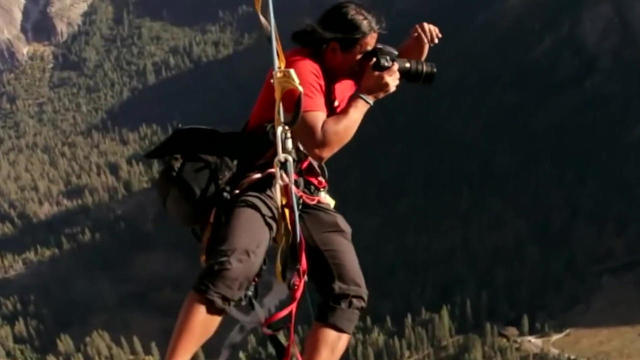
242,233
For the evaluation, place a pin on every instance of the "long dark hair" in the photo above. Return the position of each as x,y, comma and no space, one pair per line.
345,23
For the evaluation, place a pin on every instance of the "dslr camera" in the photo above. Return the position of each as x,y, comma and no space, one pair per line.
414,71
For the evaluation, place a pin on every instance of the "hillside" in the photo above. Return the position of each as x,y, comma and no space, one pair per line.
25,25
498,190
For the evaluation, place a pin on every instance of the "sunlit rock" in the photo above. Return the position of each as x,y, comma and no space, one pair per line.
24,23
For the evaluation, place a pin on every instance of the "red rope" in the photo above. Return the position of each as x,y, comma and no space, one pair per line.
309,199
300,276
297,289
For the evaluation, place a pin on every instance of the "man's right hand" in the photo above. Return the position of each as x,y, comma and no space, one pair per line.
322,136
378,84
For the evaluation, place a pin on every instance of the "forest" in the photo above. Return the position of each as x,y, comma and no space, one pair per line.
496,205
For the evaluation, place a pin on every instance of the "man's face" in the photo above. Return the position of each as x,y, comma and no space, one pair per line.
347,64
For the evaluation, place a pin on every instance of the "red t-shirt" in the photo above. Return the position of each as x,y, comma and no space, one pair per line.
318,94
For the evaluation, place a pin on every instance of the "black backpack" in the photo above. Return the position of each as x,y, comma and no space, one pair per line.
202,166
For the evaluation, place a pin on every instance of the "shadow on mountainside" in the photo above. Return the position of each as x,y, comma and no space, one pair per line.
514,172
219,93
514,176
129,281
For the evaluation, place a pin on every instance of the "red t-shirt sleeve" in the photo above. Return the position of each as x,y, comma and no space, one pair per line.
310,75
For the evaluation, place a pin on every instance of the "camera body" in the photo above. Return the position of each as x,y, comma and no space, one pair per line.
414,71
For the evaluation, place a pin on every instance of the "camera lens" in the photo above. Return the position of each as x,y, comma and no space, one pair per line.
417,71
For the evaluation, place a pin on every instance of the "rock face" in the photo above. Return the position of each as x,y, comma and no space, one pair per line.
23,22
12,41
66,16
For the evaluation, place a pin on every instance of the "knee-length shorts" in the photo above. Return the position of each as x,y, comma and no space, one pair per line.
241,235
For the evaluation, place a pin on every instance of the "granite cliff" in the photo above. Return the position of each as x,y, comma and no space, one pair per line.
27,22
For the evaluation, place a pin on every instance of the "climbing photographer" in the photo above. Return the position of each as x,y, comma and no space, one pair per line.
343,73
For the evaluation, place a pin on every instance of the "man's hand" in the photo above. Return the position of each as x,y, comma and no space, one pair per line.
378,84
322,136
421,37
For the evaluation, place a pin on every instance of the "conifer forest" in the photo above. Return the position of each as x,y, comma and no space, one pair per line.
488,209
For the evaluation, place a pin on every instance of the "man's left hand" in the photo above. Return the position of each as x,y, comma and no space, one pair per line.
421,37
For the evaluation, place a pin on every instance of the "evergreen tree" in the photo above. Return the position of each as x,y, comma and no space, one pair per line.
468,315
154,351
488,336
20,329
65,345
445,324
199,355
6,336
137,347
369,354
524,325
473,347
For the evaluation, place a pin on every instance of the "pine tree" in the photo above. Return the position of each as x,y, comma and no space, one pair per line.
445,323
473,346
494,336
150,73
6,336
137,347
487,336
369,353
468,315
199,355
125,21
20,329
118,354
101,345
65,345
524,325
154,351
484,306
388,326
385,354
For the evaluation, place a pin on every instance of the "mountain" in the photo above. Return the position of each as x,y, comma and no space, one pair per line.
24,23
507,182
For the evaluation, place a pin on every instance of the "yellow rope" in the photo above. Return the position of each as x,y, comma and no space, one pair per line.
283,80
265,24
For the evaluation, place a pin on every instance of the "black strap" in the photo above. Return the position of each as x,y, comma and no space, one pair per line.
277,338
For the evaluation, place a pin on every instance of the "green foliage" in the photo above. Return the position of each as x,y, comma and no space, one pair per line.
58,150
61,153
199,355
125,346
155,352
524,325
427,336
65,345
137,347
63,150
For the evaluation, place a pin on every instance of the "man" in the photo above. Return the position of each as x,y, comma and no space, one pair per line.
339,88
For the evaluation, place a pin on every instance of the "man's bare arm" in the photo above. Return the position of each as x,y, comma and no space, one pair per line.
323,136
421,37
